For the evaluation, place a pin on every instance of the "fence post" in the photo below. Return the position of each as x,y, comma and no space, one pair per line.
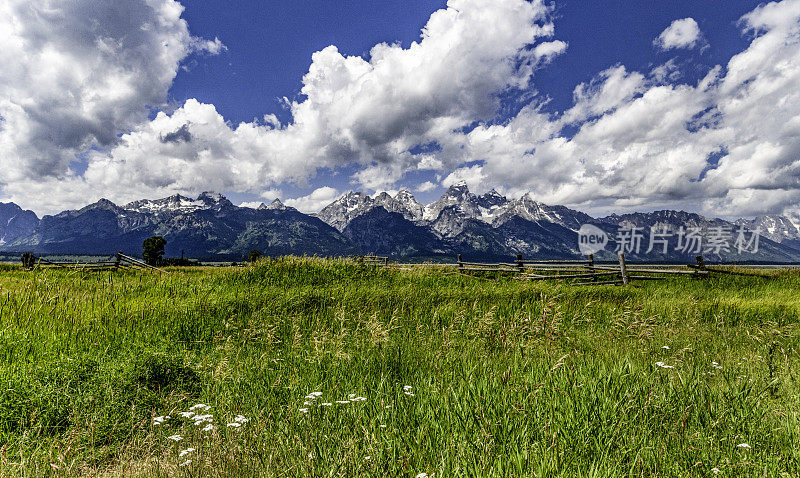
623,269
701,266
520,265
460,262
28,260
118,260
700,263
591,267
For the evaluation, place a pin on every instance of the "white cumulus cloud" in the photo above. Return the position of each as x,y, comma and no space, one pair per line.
683,33
315,201
75,74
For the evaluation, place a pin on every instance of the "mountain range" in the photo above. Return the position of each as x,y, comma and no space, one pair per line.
486,226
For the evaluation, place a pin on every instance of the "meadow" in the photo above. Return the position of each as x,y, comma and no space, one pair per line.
311,367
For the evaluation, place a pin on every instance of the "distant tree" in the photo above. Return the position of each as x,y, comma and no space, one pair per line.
153,250
254,255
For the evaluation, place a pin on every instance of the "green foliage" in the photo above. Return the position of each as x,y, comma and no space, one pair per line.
153,250
254,255
508,378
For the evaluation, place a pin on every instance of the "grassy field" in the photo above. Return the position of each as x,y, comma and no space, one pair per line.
460,376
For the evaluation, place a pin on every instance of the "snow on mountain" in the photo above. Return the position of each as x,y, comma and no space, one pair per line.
179,204
457,196
275,205
403,202
528,208
777,228
340,212
353,204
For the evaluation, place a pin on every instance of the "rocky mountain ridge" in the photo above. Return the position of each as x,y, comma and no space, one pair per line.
486,225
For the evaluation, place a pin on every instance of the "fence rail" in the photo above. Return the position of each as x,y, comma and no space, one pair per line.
120,261
585,272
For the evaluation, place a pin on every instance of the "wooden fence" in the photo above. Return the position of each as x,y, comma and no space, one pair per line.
584,272
118,262
373,260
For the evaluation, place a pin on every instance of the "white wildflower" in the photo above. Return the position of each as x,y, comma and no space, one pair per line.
407,387
357,399
308,404
666,347
186,463
367,458
234,425
351,396
303,410
241,419
175,438
325,404
387,407
383,426
201,419
409,394
663,365
744,446
422,475
160,420
342,402
207,428
199,406
716,470
186,414
185,452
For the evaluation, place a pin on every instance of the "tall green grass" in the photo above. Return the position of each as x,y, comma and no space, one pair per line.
508,378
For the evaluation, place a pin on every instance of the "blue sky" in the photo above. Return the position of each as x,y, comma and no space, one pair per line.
270,47
601,106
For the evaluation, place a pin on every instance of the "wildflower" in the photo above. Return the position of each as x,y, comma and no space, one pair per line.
409,394
407,387
367,458
186,463
422,475
303,410
200,419
313,395
351,396
383,426
716,470
160,420
387,407
744,446
234,425
308,404
186,414
185,452
175,438
716,365
311,455
342,402
663,365
326,404
199,406
207,428
357,399
666,347
240,419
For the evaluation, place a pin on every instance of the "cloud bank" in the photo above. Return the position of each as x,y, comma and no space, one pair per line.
729,144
